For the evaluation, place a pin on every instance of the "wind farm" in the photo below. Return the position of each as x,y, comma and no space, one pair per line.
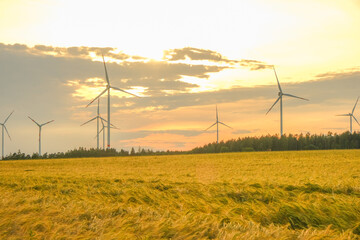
124,142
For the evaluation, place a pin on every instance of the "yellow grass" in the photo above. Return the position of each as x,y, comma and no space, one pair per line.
272,195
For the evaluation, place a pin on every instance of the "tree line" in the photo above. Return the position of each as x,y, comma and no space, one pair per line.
289,142
82,152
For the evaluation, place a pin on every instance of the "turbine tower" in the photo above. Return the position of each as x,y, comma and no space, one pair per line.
281,94
4,127
98,117
351,115
40,126
103,131
108,87
217,126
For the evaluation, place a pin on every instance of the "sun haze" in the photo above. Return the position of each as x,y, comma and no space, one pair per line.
182,58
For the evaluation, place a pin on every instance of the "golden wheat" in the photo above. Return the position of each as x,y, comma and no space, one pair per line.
270,195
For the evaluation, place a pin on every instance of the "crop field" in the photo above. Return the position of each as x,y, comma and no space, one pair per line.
268,195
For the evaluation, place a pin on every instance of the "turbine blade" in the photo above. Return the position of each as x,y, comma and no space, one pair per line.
98,96
102,122
273,105
209,127
217,114
99,132
342,115
88,121
124,91
106,122
289,95
355,105
225,125
8,117
106,73
7,132
277,79
47,122
34,121
356,120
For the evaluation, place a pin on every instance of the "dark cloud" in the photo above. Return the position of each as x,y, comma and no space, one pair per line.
29,78
18,62
254,65
204,54
83,52
193,54
323,91
36,83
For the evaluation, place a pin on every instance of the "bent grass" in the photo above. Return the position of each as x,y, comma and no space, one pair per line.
272,195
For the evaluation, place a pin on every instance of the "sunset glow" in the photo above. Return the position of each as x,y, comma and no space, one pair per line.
182,58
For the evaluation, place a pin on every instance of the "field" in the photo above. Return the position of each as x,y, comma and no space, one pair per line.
270,195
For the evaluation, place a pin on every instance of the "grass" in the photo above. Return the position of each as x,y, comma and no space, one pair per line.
272,195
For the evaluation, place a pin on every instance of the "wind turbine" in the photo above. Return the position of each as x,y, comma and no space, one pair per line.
217,126
108,87
281,94
98,117
4,127
103,131
351,115
40,126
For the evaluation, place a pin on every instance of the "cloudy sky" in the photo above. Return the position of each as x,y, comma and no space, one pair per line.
183,58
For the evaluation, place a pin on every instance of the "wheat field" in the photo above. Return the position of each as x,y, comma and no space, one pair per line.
267,195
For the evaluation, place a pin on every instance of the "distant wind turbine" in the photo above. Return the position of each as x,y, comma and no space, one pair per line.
40,126
103,131
217,126
98,117
4,127
351,115
108,87
281,94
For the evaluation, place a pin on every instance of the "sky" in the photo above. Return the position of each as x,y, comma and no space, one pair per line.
183,58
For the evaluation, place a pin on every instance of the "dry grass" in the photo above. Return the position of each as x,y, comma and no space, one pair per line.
273,195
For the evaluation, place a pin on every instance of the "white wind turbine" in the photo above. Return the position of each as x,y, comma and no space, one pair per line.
108,87
40,126
281,94
217,126
103,131
351,115
98,117
4,128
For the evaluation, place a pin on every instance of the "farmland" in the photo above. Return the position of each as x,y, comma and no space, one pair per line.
262,195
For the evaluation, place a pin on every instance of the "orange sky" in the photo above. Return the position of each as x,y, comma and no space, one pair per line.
155,51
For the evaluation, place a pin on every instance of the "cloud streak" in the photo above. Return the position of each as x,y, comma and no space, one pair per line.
209,55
